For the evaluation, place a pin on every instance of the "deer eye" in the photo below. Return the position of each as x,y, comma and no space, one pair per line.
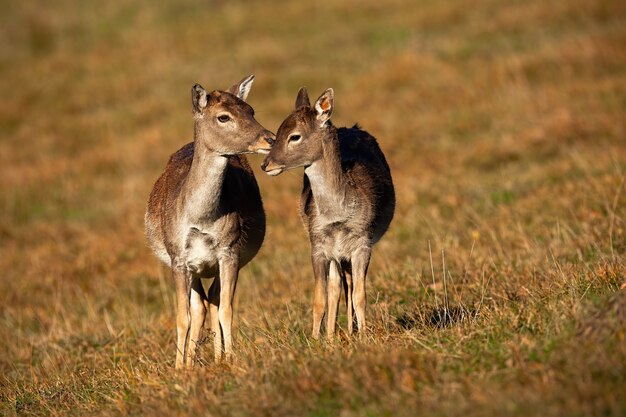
294,138
223,118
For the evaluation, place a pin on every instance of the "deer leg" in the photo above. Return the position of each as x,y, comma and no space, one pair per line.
334,291
205,301
360,262
197,312
229,270
182,283
320,270
214,303
347,287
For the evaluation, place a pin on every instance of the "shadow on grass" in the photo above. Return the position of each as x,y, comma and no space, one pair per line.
438,317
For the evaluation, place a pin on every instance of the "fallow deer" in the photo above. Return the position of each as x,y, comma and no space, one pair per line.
346,205
205,216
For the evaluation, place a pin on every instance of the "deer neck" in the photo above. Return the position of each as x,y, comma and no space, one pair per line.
203,188
327,179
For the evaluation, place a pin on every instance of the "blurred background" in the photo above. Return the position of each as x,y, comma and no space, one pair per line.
504,126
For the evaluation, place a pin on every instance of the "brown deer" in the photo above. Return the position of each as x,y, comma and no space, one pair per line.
205,216
347,202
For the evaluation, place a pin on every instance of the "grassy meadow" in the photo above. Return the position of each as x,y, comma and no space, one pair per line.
495,292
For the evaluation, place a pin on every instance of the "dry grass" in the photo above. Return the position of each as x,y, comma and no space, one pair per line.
504,125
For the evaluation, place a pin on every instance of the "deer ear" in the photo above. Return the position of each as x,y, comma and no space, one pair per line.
198,99
242,88
324,106
303,98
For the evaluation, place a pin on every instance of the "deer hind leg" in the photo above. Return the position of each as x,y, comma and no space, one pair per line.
320,270
346,275
214,304
229,271
360,263
183,287
334,292
197,310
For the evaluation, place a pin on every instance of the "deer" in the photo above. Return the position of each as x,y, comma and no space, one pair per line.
205,217
346,205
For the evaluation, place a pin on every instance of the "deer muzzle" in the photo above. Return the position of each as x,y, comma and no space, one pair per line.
271,168
264,143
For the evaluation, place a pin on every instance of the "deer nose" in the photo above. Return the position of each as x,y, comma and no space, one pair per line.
270,140
264,164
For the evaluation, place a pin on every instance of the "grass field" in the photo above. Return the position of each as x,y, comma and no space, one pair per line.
505,127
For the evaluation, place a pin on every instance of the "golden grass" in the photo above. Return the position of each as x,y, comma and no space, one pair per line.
503,123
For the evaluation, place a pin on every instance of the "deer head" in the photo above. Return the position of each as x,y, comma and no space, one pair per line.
225,123
300,137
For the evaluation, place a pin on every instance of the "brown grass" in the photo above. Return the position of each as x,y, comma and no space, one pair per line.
503,123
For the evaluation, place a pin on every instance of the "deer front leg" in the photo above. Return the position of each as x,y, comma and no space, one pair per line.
183,286
197,314
320,269
214,303
334,291
360,262
229,271
347,287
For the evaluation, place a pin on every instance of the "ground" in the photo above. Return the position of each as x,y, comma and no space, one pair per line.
496,290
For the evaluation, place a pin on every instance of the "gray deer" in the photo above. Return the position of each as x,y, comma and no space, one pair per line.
347,202
205,216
